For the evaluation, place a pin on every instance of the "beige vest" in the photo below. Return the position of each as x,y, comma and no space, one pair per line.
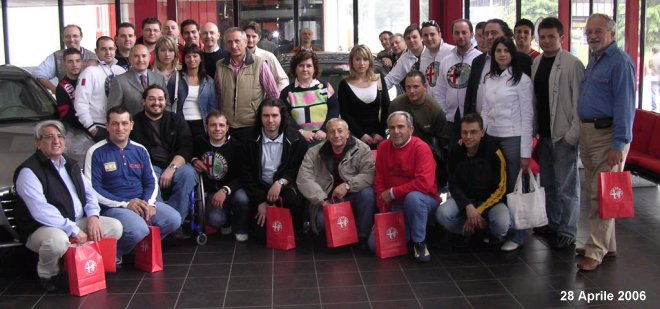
240,99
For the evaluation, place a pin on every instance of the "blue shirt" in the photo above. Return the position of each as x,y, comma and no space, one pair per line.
271,156
608,90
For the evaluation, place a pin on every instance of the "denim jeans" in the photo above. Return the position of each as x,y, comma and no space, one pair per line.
498,218
559,177
364,207
235,210
183,183
135,228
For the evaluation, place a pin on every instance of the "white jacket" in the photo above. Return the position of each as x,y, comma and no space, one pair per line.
430,66
508,109
454,72
402,67
91,99
279,74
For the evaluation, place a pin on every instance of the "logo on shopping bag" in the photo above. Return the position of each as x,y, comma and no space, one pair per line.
342,222
277,226
144,246
616,193
392,233
90,267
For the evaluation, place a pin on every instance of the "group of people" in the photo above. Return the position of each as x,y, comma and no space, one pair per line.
465,125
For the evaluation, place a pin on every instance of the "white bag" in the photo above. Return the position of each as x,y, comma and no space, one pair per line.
527,209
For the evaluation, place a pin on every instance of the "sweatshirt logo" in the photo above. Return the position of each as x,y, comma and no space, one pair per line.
110,166
458,74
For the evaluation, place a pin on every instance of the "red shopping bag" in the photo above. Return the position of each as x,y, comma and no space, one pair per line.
84,266
108,247
615,195
279,228
390,234
149,253
339,224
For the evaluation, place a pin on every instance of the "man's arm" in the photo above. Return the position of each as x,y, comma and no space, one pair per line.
366,166
306,180
424,172
623,111
93,172
441,128
250,176
92,206
380,176
267,81
83,99
279,74
333,106
576,75
45,72
470,104
149,179
399,70
116,96
183,145
498,168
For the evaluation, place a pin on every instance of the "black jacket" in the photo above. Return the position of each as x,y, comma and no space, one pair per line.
222,161
174,135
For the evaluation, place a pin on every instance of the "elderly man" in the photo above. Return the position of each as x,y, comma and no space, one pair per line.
340,168
606,108
125,40
212,52
56,203
306,42
253,30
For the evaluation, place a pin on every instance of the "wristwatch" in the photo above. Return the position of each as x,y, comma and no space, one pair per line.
282,182
348,187
173,166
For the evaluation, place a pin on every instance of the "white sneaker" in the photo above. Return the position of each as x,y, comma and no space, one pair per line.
225,230
509,246
241,237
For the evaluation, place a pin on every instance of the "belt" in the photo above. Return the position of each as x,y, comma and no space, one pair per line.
592,120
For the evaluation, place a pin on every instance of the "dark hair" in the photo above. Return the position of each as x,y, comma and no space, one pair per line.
272,102
194,49
151,21
503,26
254,26
462,20
480,25
524,22
214,114
125,25
103,38
431,23
71,51
415,73
472,118
189,22
550,23
119,109
389,33
411,28
154,86
516,69
301,56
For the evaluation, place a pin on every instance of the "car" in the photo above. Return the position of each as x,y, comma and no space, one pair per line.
23,103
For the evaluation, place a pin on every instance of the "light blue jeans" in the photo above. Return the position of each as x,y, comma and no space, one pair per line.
184,182
559,177
364,207
498,218
236,207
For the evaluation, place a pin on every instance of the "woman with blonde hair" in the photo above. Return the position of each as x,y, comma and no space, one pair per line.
363,98
166,54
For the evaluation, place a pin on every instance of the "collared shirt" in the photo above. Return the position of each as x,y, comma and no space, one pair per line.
266,79
608,90
312,84
271,156
138,74
31,191
482,81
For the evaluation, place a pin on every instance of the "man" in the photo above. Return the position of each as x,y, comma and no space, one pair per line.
94,87
270,162
431,57
65,93
454,72
212,51
477,185
494,29
52,66
405,180
151,32
252,30
341,168
126,89
266,43
171,29
606,108
385,55
122,176
409,60
167,138
190,32
480,37
523,35
398,44
125,40
56,203
217,159
239,102
557,75
305,41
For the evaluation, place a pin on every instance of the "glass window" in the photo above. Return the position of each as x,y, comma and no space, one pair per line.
651,72
96,19
423,10
331,23
21,19
276,20
579,15
220,13
376,17
536,10
2,46
483,10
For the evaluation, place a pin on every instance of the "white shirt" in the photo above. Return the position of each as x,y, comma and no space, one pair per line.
92,91
480,90
452,82
271,156
368,94
191,104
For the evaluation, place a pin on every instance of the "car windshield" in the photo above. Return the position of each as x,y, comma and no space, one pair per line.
22,98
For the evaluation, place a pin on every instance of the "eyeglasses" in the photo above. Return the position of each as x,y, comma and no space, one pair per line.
429,23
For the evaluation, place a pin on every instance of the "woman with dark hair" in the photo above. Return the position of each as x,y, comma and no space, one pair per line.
508,115
363,98
195,95
311,102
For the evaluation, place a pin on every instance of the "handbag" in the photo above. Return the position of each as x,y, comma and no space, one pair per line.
84,266
108,249
615,196
390,234
149,253
279,228
339,222
527,209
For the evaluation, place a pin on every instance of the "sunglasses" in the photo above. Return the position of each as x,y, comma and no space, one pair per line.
429,23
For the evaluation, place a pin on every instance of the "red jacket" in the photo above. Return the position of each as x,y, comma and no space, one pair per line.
406,169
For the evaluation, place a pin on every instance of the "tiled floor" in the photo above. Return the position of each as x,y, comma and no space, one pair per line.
226,274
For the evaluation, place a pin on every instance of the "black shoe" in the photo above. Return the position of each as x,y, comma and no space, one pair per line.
48,284
544,231
422,254
562,242
180,234
118,262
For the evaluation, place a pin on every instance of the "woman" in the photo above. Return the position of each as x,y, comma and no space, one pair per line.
167,56
363,99
195,97
311,102
508,116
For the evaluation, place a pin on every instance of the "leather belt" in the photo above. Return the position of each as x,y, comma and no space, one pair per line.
595,120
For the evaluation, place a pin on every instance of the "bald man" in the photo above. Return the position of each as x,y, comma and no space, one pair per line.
212,51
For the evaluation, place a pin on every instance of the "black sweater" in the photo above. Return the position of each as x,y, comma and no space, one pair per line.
364,118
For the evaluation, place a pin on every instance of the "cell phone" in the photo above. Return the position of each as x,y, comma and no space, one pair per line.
603,123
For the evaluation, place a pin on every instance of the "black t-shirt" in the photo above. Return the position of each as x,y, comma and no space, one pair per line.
160,156
211,59
542,92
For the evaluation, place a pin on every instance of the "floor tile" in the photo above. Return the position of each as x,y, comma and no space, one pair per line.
248,298
436,290
542,300
383,277
100,300
206,271
341,279
481,287
469,273
390,292
448,302
250,283
200,299
60,302
296,296
494,301
343,294
157,300
169,285
427,275
18,301
396,304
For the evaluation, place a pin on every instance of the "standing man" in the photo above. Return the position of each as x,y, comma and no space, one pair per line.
409,60
252,30
480,37
431,57
242,81
385,55
171,29
606,108
56,203
398,44
94,87
405,181
125,40
126,89
151,32
65,93
305,41
523,32
557,75
190,33
212,51
122,176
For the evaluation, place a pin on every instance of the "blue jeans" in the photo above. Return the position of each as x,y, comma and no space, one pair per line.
364,207
498,218
135,228
183,183
559,177
416,208
235,210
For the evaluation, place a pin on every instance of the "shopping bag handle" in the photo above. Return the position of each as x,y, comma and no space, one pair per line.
533,184
278,203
